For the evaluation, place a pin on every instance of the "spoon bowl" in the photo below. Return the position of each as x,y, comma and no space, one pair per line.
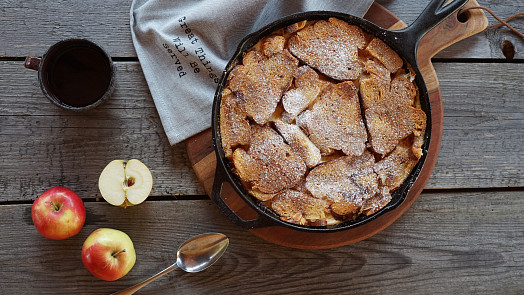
193,255
200,252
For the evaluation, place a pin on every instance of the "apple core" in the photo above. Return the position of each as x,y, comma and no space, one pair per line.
125,183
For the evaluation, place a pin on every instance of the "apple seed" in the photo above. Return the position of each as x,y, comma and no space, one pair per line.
130,181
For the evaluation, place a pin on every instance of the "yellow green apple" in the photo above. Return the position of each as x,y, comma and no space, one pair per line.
108,254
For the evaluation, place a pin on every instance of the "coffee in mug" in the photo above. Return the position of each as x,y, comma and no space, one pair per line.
75,74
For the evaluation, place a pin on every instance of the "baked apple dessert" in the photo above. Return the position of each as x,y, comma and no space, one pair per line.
321,122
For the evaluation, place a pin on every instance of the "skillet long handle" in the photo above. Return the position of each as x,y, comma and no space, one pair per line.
452,30
433,15
407,39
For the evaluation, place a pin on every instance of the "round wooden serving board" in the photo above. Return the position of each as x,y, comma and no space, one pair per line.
202,155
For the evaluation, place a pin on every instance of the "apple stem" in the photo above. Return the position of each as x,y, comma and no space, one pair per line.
116,253
55,206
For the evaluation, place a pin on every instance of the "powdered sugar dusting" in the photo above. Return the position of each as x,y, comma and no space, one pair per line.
235,129
348,182
269,164
300,143
261,81
326,164
331,47
334,122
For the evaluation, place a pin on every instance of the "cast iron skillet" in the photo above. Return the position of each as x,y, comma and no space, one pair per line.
404,42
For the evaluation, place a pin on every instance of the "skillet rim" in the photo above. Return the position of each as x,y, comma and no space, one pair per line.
269,217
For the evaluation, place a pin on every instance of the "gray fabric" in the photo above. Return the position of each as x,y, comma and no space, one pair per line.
184,45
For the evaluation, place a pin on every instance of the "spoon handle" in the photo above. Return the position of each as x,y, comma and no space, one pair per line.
138,286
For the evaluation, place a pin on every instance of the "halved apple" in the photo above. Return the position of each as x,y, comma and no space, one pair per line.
124,183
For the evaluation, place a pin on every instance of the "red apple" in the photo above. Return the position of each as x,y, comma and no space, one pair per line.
58,213
108,254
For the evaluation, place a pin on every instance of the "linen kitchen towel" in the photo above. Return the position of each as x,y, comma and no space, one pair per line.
184,45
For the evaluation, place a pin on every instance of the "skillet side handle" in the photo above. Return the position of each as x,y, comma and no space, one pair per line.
216,196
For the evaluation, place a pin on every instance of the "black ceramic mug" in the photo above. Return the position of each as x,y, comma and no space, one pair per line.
75,74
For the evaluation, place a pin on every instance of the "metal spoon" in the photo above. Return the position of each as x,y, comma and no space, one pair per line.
194,255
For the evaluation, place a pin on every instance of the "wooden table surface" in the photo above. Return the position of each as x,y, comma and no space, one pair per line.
464,234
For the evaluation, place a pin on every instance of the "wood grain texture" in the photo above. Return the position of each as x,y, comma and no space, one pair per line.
42,145
479,111
451,241
476,152
30,27
446,243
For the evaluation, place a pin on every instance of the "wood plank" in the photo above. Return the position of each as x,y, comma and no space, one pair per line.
43,146
483,122
29,28
446,242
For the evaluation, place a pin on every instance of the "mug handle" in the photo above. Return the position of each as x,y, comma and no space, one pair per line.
32,62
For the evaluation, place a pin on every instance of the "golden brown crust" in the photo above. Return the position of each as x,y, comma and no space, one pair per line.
334,122
331,47
379,89
273,44
346,183
395,167
299,207
403,90
235,129
269,164
261,196
389,108
299,142
295,27
376,68
308,154
373,90
387,56
306,89
377,202
261,80
387,125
